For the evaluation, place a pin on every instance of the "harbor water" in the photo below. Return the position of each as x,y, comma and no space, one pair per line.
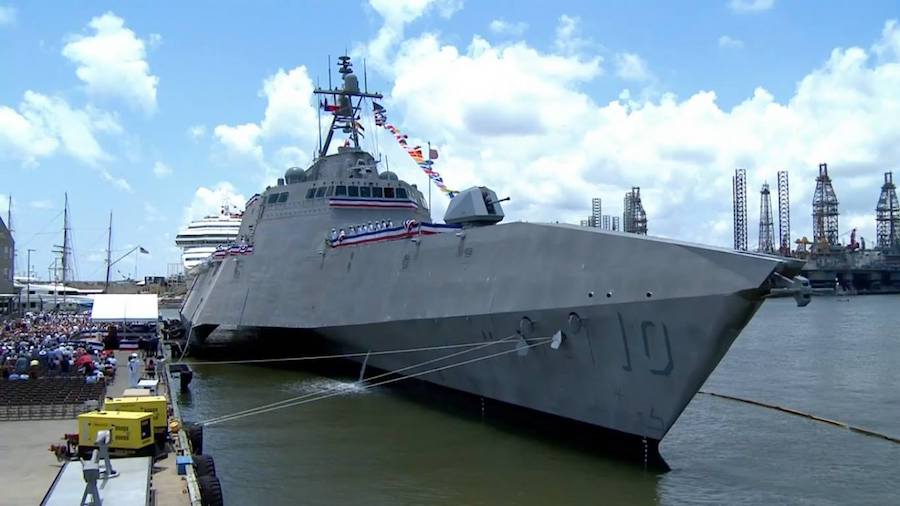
838,358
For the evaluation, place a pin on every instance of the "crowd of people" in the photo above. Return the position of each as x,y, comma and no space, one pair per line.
42,344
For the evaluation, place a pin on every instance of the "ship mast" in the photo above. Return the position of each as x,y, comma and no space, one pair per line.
345,113
108,252
65,245
12,249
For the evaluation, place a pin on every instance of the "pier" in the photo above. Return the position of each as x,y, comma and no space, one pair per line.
27,431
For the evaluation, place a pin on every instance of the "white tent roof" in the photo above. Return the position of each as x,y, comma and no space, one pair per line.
129,307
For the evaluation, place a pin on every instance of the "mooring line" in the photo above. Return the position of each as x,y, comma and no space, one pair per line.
339,355
299,400
791,411
413,366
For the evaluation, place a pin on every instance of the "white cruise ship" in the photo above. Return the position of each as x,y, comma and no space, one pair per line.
200,238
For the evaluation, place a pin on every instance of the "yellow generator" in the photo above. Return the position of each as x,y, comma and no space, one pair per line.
155,405
131,433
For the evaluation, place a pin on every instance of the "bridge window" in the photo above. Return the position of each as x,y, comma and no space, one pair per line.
340,190
282,197
388,193
365,191
401,193
377,192
320,192
330,191
353,191
272,198
310,193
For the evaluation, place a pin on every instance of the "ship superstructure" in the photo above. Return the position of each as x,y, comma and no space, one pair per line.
344,255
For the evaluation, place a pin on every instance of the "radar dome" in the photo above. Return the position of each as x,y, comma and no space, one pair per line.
294,175
389,176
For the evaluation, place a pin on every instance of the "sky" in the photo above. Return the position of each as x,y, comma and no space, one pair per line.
160,112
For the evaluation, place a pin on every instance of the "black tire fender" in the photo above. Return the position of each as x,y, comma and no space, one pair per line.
210,491
204,465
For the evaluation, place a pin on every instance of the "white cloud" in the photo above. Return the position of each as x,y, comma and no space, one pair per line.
748,6
161,170
152,214
503,27
112,62
289,112
43,125
568,35
631,67
240,139
7,15
154,40
290,119
888,48
118,182
291,156
730,43
197,132
543,141
209,201
41,204
396,14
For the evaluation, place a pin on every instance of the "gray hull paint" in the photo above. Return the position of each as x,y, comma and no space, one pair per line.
657,316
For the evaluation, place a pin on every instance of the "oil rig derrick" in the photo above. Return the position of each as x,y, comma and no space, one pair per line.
887,215
634,219
739,192
784,215
766,224
825,213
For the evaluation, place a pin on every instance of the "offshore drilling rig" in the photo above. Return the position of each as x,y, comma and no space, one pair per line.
836,262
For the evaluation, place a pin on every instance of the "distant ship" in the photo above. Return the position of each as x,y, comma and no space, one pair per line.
200,238
611,329
37,295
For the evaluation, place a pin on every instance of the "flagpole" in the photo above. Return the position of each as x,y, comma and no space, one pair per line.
428,181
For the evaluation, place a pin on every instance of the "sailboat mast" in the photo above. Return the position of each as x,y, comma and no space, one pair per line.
65,244
12,249
108,252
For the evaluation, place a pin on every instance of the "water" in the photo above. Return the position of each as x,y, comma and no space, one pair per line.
837,358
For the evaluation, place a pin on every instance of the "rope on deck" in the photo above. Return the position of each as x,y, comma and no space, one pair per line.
791,411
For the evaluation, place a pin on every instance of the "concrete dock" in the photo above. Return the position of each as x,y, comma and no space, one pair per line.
27,462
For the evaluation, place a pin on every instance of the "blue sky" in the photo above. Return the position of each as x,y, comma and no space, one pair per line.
163,86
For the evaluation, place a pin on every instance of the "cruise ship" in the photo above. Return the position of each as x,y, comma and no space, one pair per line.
200,238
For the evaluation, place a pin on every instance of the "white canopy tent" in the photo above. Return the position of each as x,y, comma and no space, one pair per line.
125,307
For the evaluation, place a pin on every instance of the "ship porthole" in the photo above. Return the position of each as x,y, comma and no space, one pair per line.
649,294
608,294
590,294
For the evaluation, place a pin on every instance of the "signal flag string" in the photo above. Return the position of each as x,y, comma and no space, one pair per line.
415,152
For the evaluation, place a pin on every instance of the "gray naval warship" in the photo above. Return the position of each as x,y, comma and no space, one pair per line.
634,325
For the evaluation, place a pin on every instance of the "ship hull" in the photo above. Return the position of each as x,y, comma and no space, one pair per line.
643,322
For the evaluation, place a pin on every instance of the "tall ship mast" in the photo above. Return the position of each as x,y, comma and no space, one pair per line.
612,330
